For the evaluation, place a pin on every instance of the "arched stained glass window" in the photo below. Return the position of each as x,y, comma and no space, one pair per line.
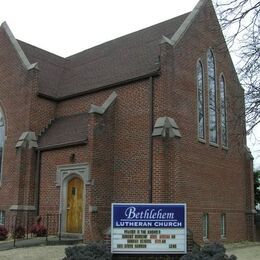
212,98
200,101
2,140
223,111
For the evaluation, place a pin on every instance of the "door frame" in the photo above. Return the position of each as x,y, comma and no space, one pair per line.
64,174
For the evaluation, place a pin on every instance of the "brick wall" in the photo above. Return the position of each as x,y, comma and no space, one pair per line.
117,153
131,137
208,178
15,87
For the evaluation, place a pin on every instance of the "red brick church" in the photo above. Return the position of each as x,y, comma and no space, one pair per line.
153,116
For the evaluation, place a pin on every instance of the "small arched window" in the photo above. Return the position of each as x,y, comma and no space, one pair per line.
2,140
223,111
212,98
200,101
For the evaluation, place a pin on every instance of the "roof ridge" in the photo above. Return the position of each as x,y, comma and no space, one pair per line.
125,35
39,48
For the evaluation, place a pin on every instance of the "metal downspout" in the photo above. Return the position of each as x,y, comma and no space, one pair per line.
38,181
150,170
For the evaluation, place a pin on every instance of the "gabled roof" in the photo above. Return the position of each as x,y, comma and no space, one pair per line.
65,131
51,68
126,58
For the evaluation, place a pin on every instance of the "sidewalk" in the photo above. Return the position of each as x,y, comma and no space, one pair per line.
251,252
6,245
36,241
36,252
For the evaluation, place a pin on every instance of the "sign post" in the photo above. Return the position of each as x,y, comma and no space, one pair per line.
148,228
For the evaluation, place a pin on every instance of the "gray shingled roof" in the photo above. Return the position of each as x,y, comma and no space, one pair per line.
65,131
125,58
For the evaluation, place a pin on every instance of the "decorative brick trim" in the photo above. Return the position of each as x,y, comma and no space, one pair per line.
185,25
27,139
22,208
102,109
63,175
248,153
81,169
166,126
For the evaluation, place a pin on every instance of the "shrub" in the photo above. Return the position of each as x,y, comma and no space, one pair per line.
213,251
39,229
3,233
92,250
19,232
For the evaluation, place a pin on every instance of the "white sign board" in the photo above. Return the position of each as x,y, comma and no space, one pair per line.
148,228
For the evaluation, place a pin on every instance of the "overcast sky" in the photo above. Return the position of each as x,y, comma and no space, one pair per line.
65,27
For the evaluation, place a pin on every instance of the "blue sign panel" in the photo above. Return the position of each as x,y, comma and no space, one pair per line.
148,216
148,228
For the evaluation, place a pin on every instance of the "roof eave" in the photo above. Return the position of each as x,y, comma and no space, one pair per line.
123,82
63,145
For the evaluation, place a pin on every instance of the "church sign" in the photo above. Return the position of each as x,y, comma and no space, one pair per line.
148,228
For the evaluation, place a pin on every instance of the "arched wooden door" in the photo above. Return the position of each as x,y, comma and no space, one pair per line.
74,206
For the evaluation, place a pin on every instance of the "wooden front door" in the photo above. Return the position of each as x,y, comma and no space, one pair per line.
75,206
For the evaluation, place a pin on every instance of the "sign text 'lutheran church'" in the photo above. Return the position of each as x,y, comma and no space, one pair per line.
148,228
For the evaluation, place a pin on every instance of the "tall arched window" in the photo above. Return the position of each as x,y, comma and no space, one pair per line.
212,98
223,111
2,140
200,101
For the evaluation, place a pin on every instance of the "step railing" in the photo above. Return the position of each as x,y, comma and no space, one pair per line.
21,225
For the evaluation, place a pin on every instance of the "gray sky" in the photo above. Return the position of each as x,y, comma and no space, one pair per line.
65,27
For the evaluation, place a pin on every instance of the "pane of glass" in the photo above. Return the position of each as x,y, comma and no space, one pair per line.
2,139
200,101
2,217
223,225
74,190
212,99
223,112
205,225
